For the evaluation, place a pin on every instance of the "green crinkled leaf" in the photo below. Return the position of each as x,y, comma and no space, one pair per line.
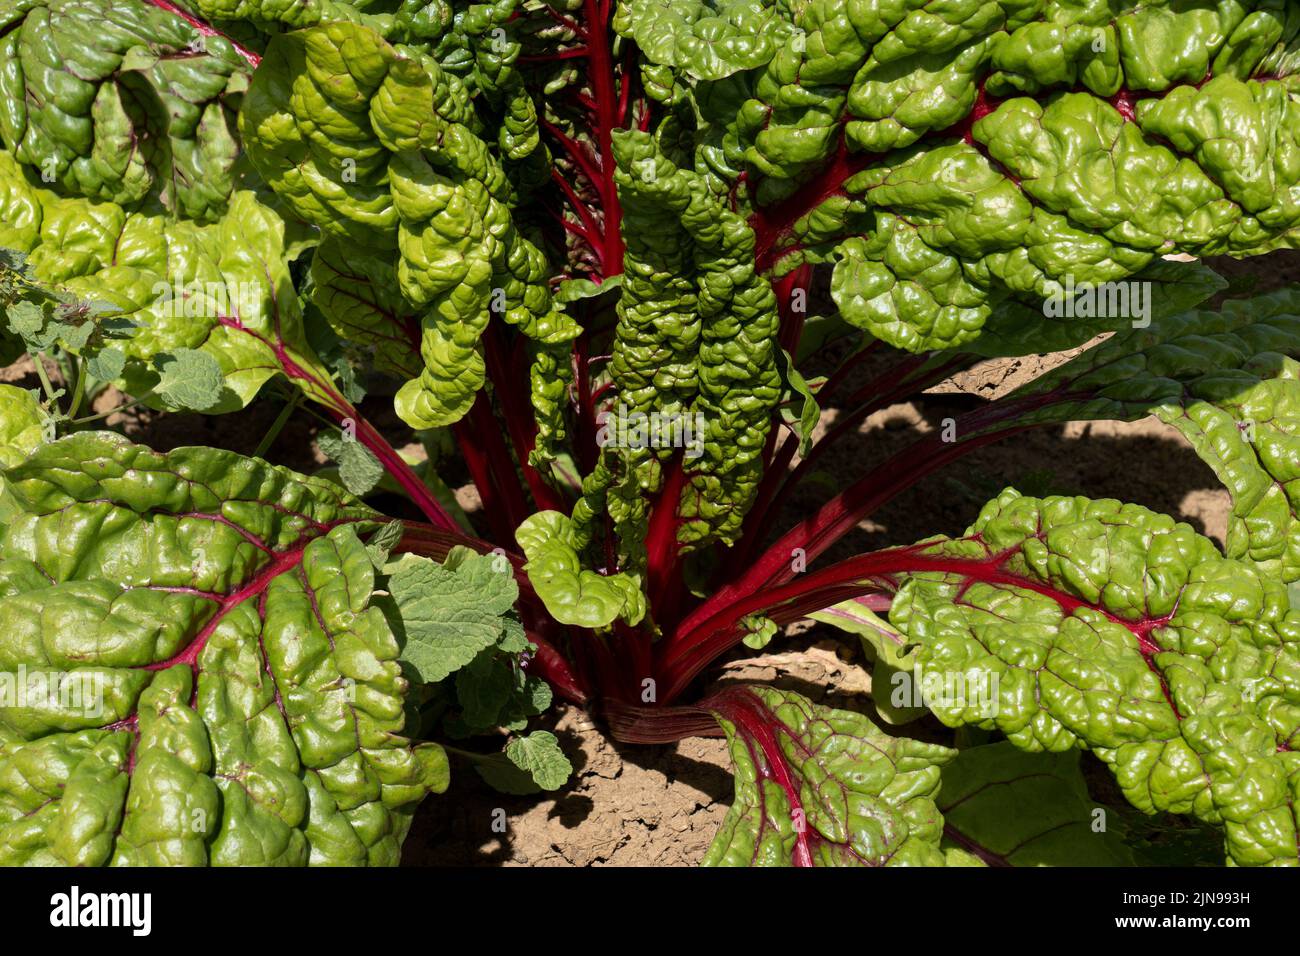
241,701
1229,380
450,614
400,175
410,20
818,786
549,379
357,293
1160,291
224,289
572,594
920,299
122,102
1066,623
695,342
703,39
960,164
1005,807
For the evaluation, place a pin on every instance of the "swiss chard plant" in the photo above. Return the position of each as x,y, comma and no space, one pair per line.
612,260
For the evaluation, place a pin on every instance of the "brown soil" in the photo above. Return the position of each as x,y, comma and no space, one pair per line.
625,805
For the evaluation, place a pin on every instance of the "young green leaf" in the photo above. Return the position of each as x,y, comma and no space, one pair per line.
188,379
799,408
382,542
483,688
539,755
891,662
450,615
760,631
359,469
501,774
107,364
575,290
